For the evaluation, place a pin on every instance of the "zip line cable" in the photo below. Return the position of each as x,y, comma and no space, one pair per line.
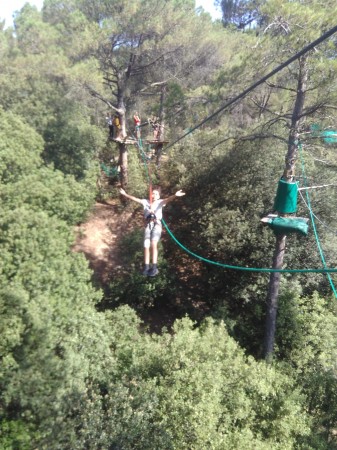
325,269
316,187
247,269
313,223
228,266
331,230
262,80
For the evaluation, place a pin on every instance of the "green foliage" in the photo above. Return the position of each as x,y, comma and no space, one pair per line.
45,294
306,336
26,183
20,148
52,192
309,322
72,142
15,436
38,66
165,402
155,398
51,334
74,378
50,96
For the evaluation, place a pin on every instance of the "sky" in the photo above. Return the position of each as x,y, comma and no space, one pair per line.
7,8
208,6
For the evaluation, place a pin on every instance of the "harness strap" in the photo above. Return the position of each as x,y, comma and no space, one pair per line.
150,194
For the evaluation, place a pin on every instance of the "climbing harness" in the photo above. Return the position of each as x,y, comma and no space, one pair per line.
152,224
151,221
151,218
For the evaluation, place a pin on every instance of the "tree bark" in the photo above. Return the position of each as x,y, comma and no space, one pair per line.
273,292
123,162
160,135
288,175
162,113
123,150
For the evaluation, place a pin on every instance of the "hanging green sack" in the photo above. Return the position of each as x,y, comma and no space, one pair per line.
286,197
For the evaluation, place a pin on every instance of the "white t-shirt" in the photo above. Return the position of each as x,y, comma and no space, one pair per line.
157,208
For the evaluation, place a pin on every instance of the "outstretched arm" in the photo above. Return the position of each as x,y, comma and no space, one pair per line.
179,193
131,197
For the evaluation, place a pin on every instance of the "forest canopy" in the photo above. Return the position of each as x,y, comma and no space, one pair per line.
81,365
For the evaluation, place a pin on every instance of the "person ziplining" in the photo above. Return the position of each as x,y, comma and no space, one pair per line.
137,121
154,122
153,213
109,121
118,128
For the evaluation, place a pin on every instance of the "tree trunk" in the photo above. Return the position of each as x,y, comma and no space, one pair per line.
123,162
273,292
162,114
122,120
160,135
123,150
288,175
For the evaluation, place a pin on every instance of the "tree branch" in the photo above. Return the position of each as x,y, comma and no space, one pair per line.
96,94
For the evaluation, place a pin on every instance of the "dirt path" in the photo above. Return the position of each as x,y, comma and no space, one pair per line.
98,237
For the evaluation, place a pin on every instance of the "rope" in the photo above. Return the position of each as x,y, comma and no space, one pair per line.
262,80
246,269
313,223
325,269
219,264
148,170
331,230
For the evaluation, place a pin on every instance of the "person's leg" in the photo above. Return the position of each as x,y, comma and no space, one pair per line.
146,251
146,255
154,251
154,255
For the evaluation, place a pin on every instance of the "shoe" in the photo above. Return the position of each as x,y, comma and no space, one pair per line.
153,272
146,272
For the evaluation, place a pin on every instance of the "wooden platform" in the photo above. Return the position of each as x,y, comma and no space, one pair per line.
154,141
127,141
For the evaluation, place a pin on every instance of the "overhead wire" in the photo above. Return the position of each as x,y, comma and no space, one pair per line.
333,231
302,52
220,264
325,269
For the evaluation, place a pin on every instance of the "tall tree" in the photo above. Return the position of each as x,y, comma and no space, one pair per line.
288,176
138,46
241,13
45,292
238,177
48,95
305,105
